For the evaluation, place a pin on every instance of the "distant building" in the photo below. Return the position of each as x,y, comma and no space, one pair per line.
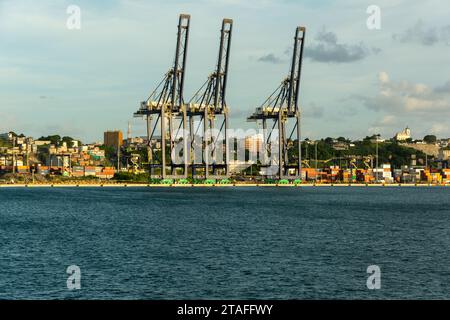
443,143
41,142
339,145
378,139
403,135
444,154
113,138
136,140
254,143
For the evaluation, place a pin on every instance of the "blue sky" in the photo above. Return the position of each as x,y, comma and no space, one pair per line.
355,82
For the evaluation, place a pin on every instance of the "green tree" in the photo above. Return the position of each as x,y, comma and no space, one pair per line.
70,140
430,139
54,139
342,139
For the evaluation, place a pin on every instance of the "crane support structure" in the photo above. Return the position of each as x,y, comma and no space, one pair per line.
209,106
166,106
279,108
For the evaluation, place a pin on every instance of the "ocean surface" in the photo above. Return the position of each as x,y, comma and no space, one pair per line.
225,243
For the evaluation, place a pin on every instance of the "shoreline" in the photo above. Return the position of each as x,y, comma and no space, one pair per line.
144,185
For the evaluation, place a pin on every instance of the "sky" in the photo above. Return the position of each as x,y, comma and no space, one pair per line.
355,82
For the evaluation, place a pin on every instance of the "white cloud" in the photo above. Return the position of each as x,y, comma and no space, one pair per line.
388,120
424,35
383,77
313,111
328,49
405,97
401,103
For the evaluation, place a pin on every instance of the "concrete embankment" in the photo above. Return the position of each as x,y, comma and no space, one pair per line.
134,185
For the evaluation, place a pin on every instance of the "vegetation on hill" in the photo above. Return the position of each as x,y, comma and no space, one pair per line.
388,152
431,139
58,140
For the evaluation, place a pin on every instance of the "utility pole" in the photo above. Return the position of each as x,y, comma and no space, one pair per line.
316,156
118,157
306,151
13,153
129,132
377,136
27,155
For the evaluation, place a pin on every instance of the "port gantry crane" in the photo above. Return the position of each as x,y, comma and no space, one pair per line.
209,104
281,106
166,103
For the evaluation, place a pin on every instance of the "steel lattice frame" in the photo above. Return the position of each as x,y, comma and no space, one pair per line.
281,106
209,105
166,103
